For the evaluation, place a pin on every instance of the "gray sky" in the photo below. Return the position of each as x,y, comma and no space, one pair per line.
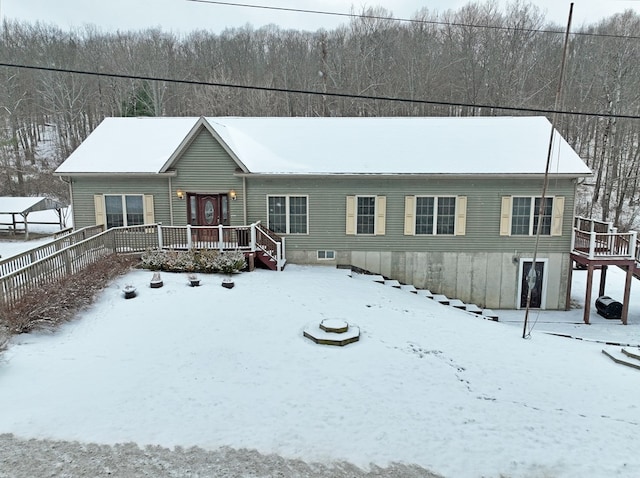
184,16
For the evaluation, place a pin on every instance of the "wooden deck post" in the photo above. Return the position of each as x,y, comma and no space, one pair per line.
567,304
253,237
603,280
160,242
592,245
627,294
587,298
189,237
279,256
3,294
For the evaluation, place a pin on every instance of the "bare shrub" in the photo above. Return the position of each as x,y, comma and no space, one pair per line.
58,302
194,260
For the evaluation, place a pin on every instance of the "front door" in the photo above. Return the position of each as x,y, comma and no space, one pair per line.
535,281
208,210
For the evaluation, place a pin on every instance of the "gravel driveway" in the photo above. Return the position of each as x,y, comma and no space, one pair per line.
61,459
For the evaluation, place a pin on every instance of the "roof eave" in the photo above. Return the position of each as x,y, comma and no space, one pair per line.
415,175
110,174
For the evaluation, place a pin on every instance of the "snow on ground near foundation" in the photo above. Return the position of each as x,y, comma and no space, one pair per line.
572,322
426,384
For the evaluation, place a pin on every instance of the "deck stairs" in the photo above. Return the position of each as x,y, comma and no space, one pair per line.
471,309
269,248
628,356
266,260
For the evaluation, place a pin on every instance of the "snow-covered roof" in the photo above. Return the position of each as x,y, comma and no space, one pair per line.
26,205
129,145
300,145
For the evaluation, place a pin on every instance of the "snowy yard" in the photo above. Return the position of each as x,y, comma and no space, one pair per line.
12,246
426,384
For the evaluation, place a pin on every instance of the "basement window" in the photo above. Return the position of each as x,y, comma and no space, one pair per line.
326,255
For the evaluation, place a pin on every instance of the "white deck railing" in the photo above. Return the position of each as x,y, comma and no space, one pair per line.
601,240
73,252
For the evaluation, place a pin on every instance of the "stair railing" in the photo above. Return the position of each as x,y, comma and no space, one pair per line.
270,243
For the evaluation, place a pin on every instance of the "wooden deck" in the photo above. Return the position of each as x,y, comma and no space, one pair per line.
598,245
73,252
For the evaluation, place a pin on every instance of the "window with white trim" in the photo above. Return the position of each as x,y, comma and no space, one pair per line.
520,215
326,255
435,215
288,214
525,216
366,215
124,210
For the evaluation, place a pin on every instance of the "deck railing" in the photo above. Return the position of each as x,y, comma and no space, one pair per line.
593,225
13,263
73,252
55,266
601,240
269,243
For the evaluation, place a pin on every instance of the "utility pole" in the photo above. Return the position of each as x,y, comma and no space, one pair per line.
533,275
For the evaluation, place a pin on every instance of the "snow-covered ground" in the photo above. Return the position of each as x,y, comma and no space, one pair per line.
426,384
13,247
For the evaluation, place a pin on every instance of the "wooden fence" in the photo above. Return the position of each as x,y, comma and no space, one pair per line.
73,252
53,267
19,261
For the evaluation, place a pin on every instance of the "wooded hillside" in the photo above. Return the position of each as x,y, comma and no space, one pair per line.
478,55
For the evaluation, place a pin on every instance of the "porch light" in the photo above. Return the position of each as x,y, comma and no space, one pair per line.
233,195
180,194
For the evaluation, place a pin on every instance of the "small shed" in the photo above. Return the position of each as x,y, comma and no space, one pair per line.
14,212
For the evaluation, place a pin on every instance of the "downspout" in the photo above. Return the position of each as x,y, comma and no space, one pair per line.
73,209
244,199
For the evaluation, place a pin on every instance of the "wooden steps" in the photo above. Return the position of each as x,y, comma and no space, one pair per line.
392,283
441,298
408,288
267,261
471,309
458,304
490,314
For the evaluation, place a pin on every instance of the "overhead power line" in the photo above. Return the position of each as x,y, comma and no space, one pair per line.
315,93
410,20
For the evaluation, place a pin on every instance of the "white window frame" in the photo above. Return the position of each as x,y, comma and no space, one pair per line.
123,197
533,211
288,212
322,255
434,231
411,220
375,214
379,211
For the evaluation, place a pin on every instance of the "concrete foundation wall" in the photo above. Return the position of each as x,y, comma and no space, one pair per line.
487,279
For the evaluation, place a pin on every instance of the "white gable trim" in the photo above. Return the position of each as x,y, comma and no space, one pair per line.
201,123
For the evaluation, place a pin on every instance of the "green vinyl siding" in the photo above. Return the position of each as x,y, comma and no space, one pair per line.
84,189
327,212
206,168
